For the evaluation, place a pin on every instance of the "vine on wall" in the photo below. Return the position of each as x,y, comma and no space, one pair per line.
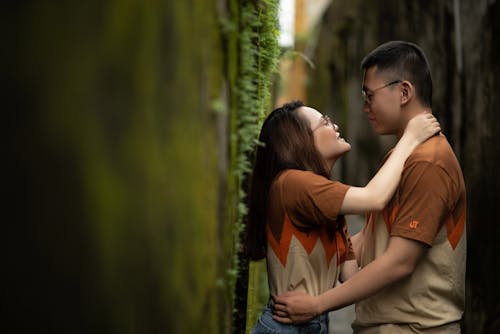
251,64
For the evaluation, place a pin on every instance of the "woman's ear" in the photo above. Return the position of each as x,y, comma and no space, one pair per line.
407,92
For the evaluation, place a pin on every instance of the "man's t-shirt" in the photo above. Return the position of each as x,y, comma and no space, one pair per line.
429,206
307,239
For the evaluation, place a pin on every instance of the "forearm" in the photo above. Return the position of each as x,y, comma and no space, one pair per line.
380,189
398,261
382,186
365,283
377,193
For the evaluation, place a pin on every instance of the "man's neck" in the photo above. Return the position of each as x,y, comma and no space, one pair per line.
409,112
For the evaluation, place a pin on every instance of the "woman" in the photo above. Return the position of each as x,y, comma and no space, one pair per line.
296,212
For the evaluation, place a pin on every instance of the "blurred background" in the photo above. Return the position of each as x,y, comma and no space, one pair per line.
129,131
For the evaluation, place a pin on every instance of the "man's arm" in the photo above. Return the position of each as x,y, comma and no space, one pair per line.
398,262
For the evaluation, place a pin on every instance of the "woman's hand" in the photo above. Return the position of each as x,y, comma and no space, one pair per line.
294,307
421,127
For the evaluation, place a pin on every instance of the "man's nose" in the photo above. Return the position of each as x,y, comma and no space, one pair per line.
366,107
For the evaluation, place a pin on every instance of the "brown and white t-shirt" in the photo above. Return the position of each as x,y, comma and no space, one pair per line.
307,239
429,206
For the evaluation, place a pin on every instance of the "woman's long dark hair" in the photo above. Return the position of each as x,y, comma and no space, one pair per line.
287,143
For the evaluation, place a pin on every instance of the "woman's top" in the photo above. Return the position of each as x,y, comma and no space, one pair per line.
307,239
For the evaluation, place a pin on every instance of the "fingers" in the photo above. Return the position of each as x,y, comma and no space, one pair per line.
280,313
283,320
433,123
426,117
279,307
282,298
436,127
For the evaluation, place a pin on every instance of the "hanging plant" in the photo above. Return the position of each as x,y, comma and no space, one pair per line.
254,35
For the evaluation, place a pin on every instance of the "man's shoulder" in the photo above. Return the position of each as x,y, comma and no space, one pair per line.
436,151
435,157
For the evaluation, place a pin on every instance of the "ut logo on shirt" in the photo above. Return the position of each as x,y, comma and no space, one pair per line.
414,224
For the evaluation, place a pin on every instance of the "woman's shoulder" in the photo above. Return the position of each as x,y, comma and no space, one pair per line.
300,180
297,175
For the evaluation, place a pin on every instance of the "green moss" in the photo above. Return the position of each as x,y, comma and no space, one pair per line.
120,153
252,63
123,98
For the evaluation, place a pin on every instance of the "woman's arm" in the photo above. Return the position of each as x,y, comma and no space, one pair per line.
377,193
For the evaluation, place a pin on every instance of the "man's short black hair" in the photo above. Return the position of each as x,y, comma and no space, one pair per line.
403,61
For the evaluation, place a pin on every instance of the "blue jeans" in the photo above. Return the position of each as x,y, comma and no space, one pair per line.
267,325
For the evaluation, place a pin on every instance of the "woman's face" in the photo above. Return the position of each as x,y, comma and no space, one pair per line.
327,138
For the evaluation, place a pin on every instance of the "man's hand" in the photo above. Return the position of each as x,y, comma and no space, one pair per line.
294,307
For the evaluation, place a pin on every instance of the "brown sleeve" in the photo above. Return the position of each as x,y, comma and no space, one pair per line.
423,202
310,199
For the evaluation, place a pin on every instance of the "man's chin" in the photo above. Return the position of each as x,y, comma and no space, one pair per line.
381,131
375,127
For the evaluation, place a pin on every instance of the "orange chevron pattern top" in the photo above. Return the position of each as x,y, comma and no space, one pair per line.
307,239
308,242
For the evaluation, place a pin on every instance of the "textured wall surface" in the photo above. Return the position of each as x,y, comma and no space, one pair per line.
113,167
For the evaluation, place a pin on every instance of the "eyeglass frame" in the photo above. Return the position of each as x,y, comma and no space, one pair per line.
324,119
367,98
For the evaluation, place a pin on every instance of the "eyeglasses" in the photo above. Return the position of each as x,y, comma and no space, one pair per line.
368,94
325,121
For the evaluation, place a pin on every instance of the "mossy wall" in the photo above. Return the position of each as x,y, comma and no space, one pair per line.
114,167
130,126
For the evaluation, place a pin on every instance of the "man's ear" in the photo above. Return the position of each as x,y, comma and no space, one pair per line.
407,92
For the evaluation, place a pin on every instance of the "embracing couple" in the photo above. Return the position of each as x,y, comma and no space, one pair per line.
405,270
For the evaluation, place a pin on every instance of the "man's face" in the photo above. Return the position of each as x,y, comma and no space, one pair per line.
383,107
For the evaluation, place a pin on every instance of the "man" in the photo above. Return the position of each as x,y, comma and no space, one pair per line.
412,254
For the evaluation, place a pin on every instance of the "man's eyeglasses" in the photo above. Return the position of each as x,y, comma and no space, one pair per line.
368,94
